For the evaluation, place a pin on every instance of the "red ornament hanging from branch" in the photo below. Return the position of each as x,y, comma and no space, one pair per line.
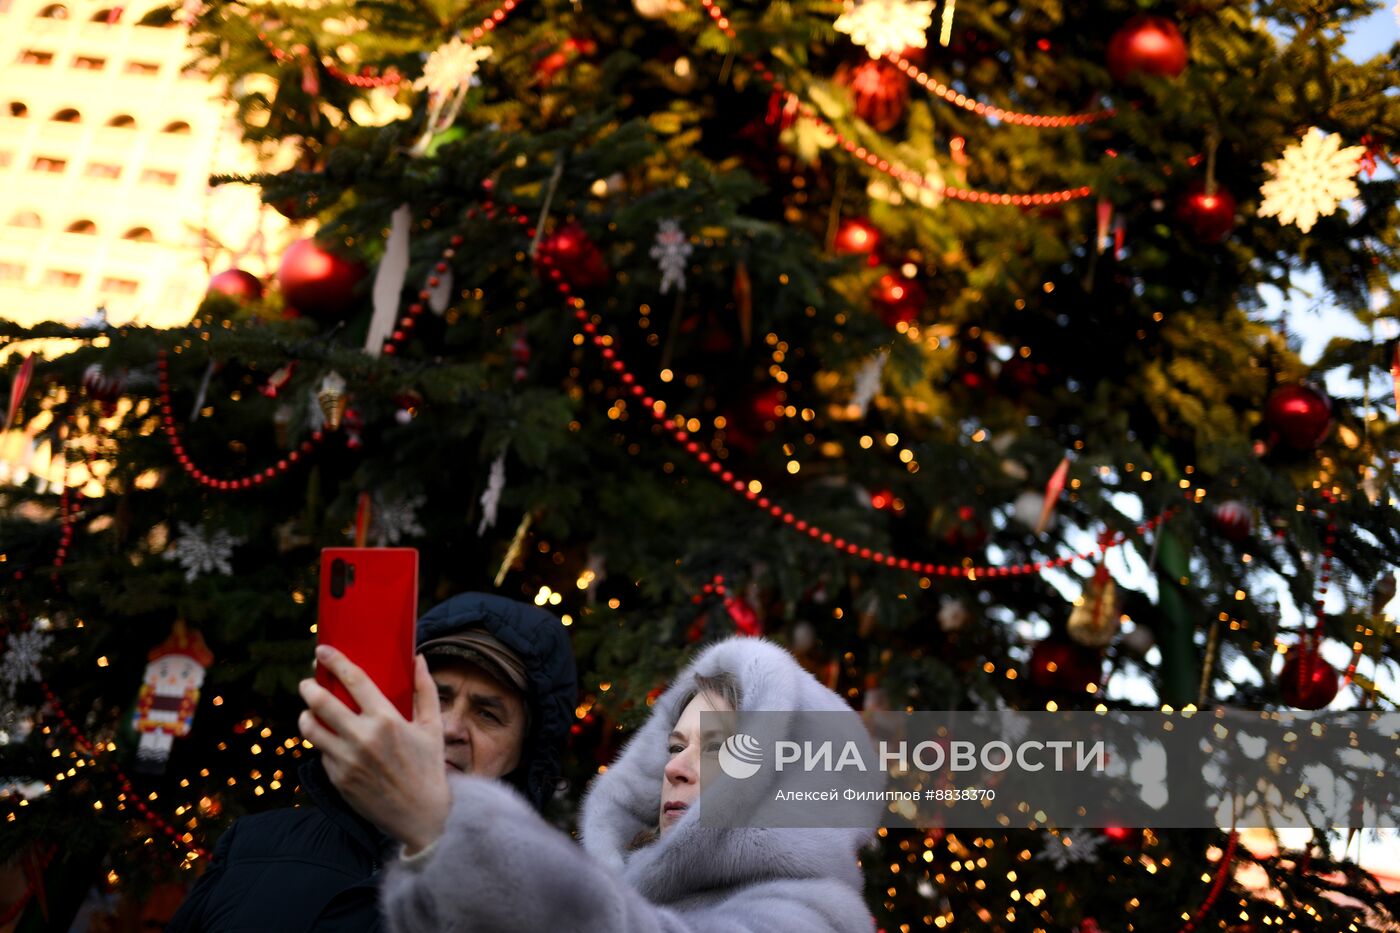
1307,681
237,284
880,92
1147,45
568,255
1299,415
318,282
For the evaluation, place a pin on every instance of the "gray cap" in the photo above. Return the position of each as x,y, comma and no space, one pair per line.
483,650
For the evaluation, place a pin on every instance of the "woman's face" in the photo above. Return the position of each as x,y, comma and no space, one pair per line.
680,782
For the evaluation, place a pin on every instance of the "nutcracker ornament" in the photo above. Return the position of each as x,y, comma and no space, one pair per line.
166,704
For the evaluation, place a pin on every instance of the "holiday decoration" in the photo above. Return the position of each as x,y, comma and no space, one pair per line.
1027,508
897,299
671,251
880,91
317,282
885,26
395,518
1307,681
332,399
568,255
1233,520
568,52
1208,214
1063,667
104,387
745,619
18,388
201,552
491,495
169,694
1053,488
237,284
1062,850
857,236
388,281
1300,415
1312,179
867,383
965,531
953,615
1095,618
24,651
1148,45
447,76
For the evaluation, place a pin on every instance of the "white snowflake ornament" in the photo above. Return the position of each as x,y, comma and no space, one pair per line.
393,519
491,495
201,552
20,665
885,26
447,76
1312,179
671,251
1063,851
868,382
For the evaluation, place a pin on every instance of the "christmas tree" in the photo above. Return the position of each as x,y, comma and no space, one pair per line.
927,341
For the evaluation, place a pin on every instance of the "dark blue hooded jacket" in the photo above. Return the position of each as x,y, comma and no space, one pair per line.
317,867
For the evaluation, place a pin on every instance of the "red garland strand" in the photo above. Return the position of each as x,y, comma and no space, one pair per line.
895,170
1226,861
990,111
172,434
367,77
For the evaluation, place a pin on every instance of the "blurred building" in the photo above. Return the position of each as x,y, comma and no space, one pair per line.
107,139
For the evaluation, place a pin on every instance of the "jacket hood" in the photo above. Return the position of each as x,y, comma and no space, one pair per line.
542,643
624,801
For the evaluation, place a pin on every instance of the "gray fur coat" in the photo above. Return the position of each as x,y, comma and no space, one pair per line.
499,867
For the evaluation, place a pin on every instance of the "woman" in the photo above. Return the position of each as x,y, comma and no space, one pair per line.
646,863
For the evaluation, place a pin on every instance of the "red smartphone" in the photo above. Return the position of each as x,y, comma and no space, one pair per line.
367,611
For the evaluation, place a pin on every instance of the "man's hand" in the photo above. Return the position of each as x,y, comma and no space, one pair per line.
386,767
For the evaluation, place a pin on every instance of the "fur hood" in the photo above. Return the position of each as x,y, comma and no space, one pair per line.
690,859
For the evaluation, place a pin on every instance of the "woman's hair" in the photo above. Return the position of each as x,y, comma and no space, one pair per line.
722,686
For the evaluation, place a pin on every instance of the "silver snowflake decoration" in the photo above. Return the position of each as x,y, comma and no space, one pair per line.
671,251
23,652
201,552
393,519
885,26
1063,850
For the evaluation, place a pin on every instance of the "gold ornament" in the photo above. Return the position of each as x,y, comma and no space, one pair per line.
332,399
1095,620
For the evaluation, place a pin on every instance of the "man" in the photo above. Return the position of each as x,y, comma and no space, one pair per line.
505,678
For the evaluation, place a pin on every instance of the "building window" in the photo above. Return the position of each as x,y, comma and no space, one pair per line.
89,63
47,164
67,115
157,176
11,271
140,235
109,16
35,57
18,110
142,68
123,121
26,219
62,278
179,126
54,11
103,170
85,227
115,286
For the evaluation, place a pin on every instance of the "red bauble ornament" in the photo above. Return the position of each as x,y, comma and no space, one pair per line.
317,282
1300,415
1210,217
857,237
568,255
1307,681
898,299
881,92
1233,521
548,68
1062,666
103,386
237,284
746,621
966,532
1150,45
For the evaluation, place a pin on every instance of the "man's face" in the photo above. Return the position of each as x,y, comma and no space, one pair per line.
483,720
